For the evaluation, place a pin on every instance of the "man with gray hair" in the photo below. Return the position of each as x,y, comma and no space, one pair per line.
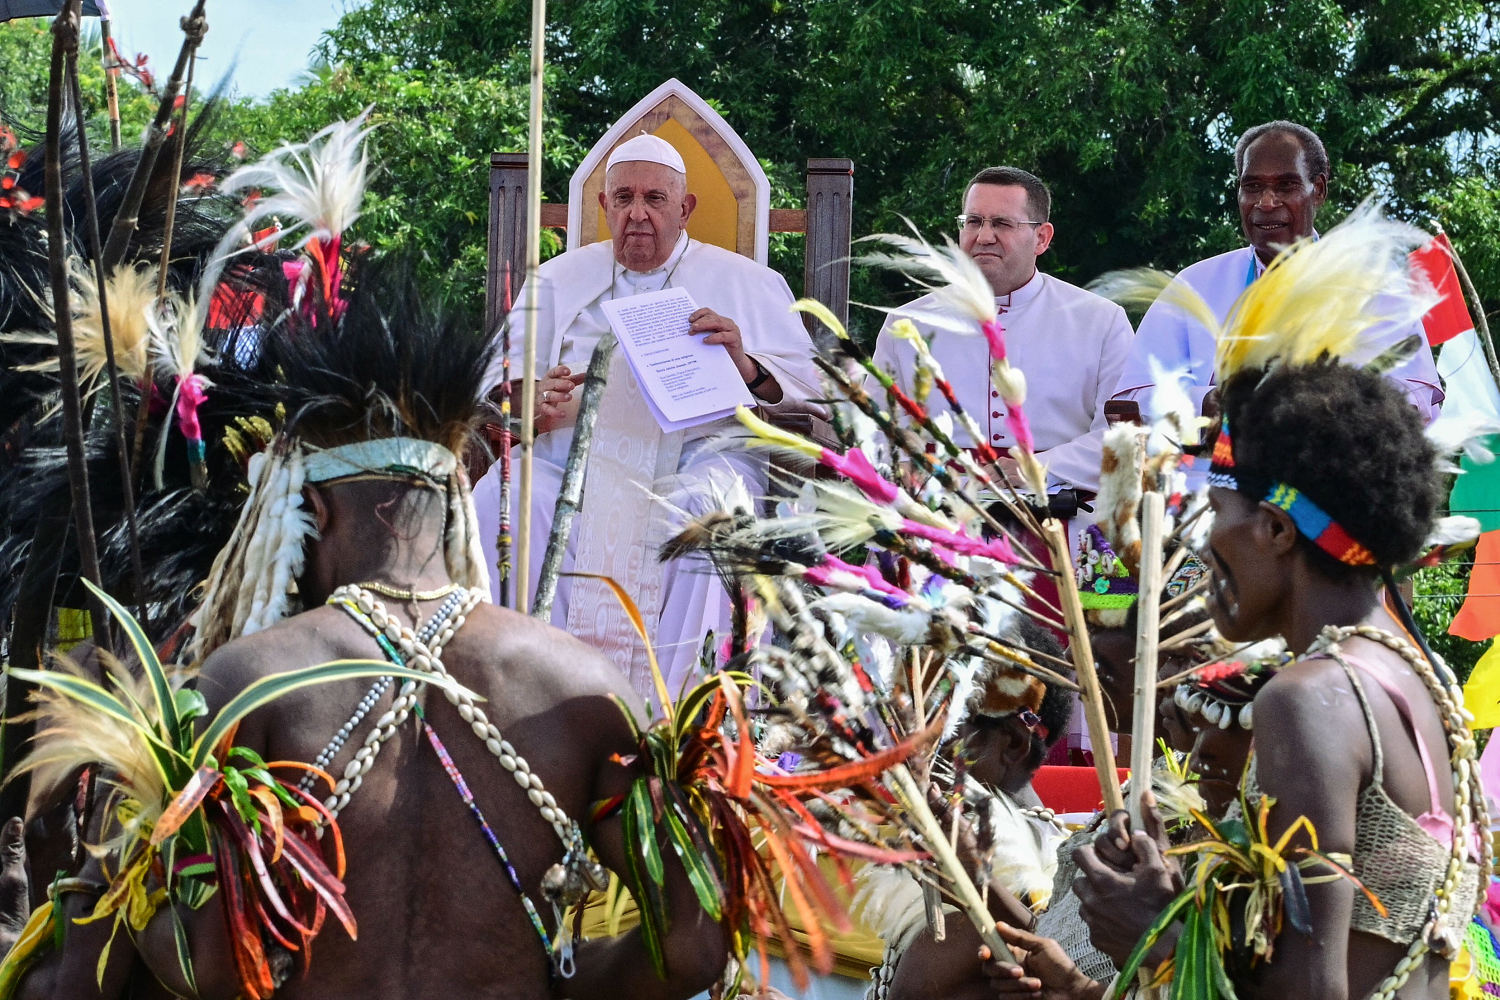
1282,172
746,308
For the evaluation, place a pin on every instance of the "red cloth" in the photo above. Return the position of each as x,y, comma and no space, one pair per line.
1070,789
1450,316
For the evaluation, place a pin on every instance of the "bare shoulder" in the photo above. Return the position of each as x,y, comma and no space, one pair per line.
293,643
1309,727
1305,697
545,658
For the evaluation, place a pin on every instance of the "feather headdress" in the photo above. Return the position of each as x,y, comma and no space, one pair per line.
1319,297
316,188
129,292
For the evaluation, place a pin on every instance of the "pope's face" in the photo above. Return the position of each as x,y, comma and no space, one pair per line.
647,207
1279,202
1005,251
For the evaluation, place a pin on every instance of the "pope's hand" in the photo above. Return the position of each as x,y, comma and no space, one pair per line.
556,405
723,330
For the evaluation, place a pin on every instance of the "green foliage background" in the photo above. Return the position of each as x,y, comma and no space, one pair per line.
1129,109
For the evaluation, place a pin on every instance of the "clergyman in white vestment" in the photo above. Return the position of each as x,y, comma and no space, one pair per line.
1069,343
1283,180
746,308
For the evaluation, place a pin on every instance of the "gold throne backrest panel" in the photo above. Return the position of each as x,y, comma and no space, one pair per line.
726,194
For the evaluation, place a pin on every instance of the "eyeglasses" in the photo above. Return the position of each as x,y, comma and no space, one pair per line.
1000,224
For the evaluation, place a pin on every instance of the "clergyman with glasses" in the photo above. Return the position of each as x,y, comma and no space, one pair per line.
1070,343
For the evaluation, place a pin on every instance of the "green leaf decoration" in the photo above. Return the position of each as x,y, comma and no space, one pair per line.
268,689
1164,919
695,853
156,675
647,895
639,803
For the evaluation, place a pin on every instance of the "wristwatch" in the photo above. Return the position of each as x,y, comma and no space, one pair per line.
760,377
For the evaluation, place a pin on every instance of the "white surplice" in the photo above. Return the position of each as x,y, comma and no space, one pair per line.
1069,343
620,527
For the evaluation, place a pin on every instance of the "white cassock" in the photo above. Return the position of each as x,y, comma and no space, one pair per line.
1069,343
1177,341
620,528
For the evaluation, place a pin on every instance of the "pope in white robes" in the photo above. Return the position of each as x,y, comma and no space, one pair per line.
641,483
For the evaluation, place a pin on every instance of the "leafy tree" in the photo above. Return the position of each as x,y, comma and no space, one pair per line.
433,132
25,61
1129,110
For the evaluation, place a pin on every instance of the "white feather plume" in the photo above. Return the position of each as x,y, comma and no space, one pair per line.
957,283
1467,433
315,190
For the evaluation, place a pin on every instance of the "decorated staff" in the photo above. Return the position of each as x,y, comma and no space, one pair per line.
532,305
963,287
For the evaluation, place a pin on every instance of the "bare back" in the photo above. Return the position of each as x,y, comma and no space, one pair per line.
438,915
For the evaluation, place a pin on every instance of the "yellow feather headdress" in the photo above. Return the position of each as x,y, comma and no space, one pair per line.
1317,298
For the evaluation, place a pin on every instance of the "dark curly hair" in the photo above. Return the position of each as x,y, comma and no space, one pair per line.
1351,442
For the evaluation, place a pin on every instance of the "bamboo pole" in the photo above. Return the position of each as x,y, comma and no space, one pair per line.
179,151
111,368
913,797
1143,724
533,261
111,75
570,496
1082,654
1481,324
64,42
194,26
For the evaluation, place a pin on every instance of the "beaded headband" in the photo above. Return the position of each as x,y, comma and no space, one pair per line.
395,455
1312,522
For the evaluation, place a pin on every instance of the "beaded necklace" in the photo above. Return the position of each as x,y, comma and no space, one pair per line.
379,688
563,884
1467,791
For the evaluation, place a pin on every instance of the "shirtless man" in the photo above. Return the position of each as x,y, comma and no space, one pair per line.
438,914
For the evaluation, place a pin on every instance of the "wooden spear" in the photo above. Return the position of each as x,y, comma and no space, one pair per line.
194,27
112,371
64,46
533,261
